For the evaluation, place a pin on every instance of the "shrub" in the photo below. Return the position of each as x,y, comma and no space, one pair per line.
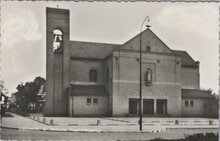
195,137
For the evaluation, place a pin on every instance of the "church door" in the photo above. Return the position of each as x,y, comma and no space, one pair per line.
148,107
133,106
161,107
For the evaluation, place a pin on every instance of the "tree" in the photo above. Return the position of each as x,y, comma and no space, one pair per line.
3,98
3,89
27,93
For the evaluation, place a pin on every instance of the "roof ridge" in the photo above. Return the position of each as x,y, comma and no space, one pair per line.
95,42
148,29
185,56
179,50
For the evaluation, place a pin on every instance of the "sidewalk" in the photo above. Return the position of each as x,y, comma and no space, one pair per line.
70,124
24,123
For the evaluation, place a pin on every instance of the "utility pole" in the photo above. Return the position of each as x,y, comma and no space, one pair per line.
140,83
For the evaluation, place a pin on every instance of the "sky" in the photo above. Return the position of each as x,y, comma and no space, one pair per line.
193,27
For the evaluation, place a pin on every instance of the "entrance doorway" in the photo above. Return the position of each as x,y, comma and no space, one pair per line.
148,106
161,106
133,106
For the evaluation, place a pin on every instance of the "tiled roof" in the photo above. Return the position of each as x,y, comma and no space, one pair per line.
91,50
187,60
196,94
147,36
87,90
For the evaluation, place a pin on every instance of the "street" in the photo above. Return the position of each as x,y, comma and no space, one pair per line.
11,134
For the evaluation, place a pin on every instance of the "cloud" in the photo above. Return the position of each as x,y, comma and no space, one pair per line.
21,46
19,27
194,29
197,19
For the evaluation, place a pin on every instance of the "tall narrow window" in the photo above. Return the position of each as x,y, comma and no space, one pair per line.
186,103
93,75
57,40
107,74
148,77
191,103
148,49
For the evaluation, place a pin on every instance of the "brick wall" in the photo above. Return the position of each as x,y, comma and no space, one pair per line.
79,70
82,108
166,81
190,78
57,65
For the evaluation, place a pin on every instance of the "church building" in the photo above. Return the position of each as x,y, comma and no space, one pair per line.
100,79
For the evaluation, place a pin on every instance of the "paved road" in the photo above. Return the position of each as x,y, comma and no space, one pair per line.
10,134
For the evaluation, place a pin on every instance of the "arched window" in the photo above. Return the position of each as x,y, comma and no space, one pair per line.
57,40
93,75
148,77
107,74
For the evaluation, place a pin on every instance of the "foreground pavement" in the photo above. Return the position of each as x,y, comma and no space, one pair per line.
36,124
105,125
10,134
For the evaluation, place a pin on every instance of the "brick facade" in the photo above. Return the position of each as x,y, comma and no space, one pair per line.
71,90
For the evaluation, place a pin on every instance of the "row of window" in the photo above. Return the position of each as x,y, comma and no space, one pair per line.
90,100
189,103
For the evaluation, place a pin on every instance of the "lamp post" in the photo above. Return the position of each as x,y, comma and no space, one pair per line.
1,102
140,83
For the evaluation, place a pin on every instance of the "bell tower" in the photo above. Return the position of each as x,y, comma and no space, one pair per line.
57,61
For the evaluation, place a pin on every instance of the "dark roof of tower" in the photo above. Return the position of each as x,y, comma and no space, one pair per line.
57,11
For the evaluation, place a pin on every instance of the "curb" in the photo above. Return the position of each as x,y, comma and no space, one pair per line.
192,128
38,121
128,124
116,120
78,131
